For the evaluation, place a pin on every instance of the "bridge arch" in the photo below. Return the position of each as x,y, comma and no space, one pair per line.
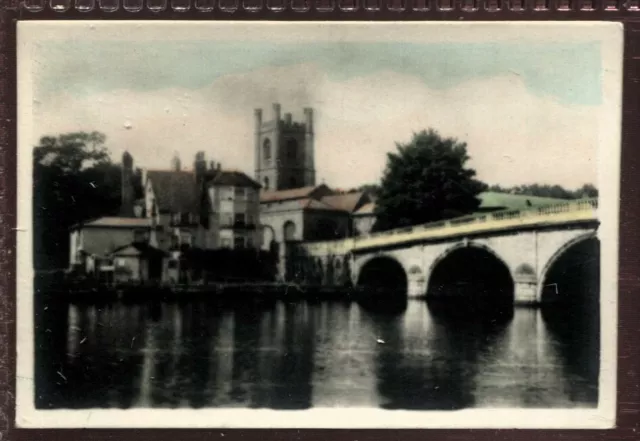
559,272
385,274
473,271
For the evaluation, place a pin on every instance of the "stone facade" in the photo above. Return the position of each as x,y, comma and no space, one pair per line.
284,151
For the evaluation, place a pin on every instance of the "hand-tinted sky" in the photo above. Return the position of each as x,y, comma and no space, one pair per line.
526,109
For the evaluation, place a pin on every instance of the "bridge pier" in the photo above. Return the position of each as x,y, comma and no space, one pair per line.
525,293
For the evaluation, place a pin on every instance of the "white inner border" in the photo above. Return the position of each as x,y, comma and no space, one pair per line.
609,114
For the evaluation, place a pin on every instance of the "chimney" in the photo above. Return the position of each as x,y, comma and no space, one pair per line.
218,166
276,112
126,203
258,119
200,167
308,117
287,119
212,165
175,163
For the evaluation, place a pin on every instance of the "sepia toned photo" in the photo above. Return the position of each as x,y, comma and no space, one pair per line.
318,225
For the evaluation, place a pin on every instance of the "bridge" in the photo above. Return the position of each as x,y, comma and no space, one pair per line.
527,257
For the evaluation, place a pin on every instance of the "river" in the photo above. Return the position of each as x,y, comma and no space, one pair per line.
303,355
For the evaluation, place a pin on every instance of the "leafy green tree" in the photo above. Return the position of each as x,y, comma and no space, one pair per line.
587,191
74,180
549,191
426,180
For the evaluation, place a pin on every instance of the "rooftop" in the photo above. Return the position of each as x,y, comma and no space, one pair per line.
366,209
349,202
293,193
175,191
233,178
137,249
117,222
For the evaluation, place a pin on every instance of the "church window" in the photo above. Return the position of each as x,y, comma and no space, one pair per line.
292,149
266,149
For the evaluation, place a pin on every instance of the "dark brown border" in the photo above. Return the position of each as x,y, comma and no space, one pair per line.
628,406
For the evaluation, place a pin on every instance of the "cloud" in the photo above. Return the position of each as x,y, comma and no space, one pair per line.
513,136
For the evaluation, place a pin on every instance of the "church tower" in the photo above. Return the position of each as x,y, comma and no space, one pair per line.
284,151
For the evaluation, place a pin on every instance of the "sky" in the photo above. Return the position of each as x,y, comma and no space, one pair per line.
527,111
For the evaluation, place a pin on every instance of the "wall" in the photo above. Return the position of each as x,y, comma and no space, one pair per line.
127,269
325,225
226,204
102,241
363,224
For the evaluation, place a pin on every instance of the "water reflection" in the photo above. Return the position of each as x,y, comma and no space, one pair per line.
302,355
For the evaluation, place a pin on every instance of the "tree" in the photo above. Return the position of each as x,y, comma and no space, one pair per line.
549,191
425,181
74,180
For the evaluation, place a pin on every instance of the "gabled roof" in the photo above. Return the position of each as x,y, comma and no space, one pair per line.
314,204
116,222
366,209
175,191
233,178
348,202
136,249
294,193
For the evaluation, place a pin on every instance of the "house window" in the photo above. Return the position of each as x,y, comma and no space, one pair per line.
120,262
173,264
225,219
185,238
238,242
239,219
266,150
239,192
249,242
225,243
249,219
293,182
265,184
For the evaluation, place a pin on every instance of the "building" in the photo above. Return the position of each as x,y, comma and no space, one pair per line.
92,243
233,211
138,262
292,207
284,151
364,219
205,208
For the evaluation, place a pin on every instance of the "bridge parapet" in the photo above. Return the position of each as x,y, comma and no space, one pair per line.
563,213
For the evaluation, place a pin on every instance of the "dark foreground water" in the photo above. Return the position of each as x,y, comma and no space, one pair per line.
301,355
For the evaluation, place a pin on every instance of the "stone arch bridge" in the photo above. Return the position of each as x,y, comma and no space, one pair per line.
531,255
